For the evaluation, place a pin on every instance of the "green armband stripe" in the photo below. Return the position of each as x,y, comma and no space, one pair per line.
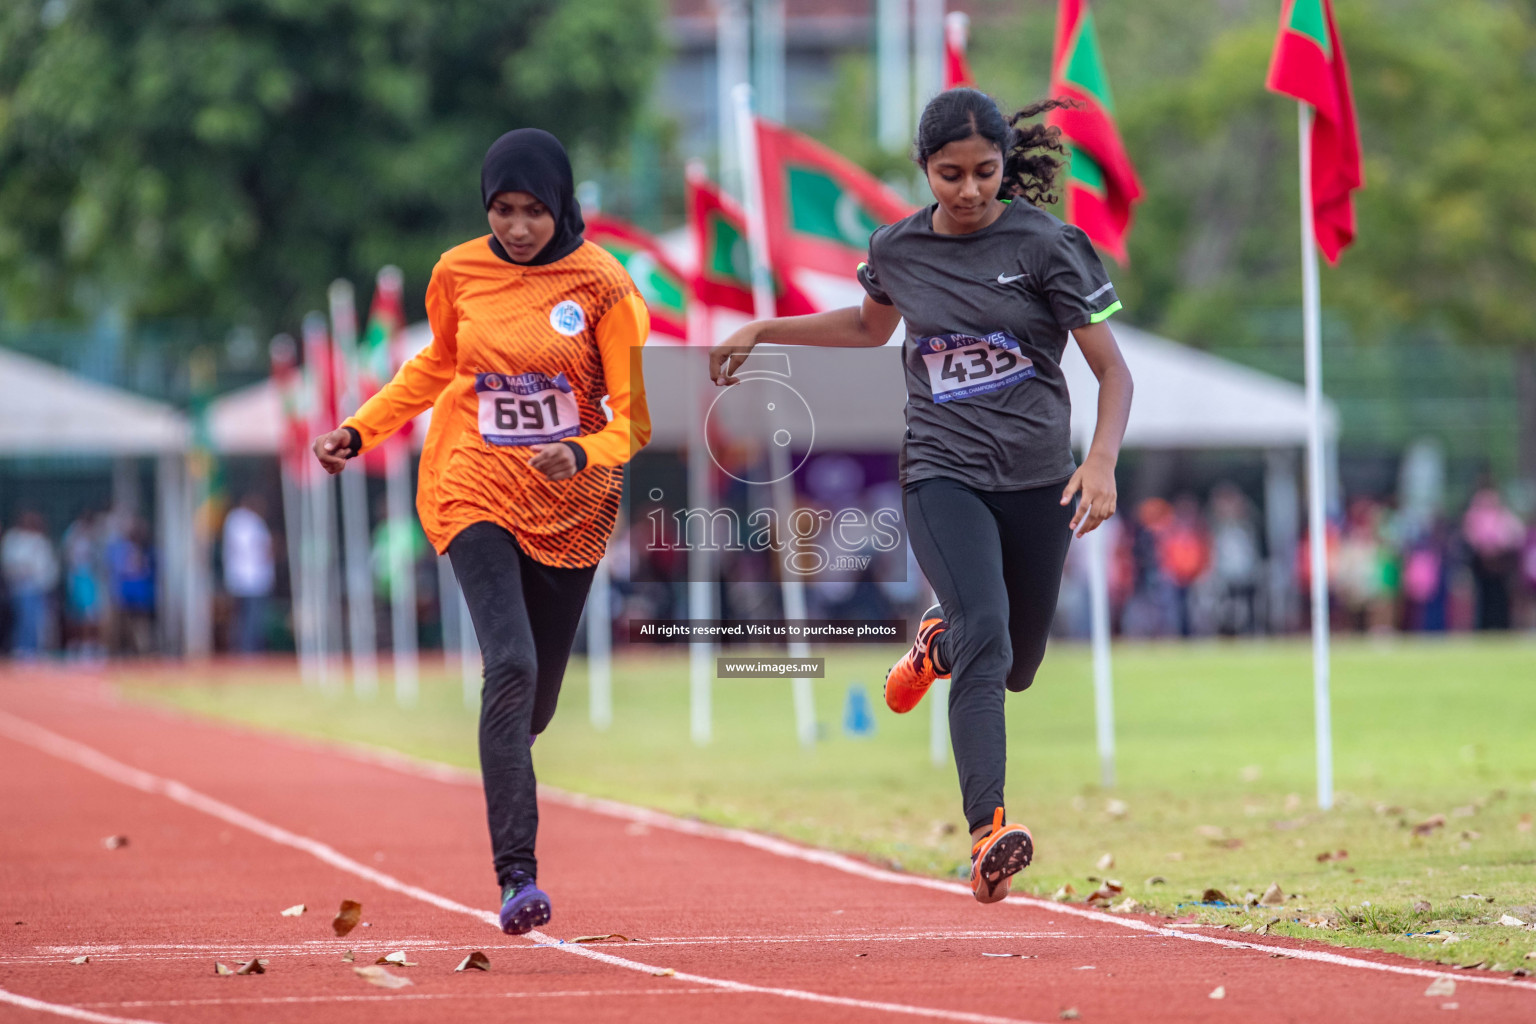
1105,313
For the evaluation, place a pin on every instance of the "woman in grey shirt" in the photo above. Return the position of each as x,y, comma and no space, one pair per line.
990,286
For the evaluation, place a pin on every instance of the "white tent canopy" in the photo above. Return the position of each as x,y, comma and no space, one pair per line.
1186,398
45,410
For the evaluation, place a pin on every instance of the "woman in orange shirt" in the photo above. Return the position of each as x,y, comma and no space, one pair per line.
521,471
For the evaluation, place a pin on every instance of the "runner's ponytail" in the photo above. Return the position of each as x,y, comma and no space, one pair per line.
1033,154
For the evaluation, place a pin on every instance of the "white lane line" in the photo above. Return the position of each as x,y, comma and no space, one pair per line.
72,1012
418,767
848,865
399,996
94,760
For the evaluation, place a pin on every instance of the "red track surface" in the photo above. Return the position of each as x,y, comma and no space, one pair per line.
227,827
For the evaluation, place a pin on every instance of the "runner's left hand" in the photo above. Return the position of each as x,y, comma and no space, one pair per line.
1096,480
555,461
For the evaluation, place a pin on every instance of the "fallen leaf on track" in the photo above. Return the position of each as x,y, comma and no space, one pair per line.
1422,907
381,977
349,956
1117,808
1220,992
397,958
1106,862
1064,894
1475,896
1070,1013
1214,896
1325,856
476,961
347,917
1512,921
294,911
1107,891
219,968
1273,896
1428,825
252,966
1127,906
81,960
609,937
1441,987
1157,880
665,972
115,842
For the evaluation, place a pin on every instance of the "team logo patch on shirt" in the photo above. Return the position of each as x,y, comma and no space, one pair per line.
568,318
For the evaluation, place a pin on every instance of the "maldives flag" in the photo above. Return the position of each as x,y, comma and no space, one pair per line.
1308,64
821,207
957,34
724,277
1101,184
663,286
379,355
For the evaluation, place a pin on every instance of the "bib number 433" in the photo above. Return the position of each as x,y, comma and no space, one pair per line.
526,408
962,365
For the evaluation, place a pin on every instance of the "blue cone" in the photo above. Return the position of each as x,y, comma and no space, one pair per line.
858,720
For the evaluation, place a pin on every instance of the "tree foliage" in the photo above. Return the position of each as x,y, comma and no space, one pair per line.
228,158
1447,220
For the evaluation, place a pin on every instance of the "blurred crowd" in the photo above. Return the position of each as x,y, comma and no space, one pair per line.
89,592
1181,568
1177,568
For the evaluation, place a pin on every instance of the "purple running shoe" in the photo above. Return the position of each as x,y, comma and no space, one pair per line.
524,906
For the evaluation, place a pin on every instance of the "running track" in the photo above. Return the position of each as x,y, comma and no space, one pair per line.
227,827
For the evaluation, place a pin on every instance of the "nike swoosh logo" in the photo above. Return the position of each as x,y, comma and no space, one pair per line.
1001,279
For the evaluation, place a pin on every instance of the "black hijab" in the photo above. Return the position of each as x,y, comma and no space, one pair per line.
532,160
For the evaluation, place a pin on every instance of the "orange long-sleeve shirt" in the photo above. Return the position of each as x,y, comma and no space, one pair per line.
513,349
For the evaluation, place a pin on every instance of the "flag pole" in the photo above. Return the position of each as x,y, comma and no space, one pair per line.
354,501
763,309
1317,524
701,569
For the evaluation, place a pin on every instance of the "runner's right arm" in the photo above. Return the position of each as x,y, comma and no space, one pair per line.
412,390
868,326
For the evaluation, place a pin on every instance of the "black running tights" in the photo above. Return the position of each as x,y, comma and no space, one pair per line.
995,560
525,614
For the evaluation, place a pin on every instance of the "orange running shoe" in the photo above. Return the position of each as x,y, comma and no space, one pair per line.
998,856
911,676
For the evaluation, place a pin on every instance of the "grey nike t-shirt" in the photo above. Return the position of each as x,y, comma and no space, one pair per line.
987,318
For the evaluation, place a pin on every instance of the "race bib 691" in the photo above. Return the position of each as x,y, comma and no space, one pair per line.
526,408
962,365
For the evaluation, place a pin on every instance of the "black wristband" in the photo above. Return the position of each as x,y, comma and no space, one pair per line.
579,452
354,442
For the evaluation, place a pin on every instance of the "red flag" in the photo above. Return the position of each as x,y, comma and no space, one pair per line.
663,286
724,276
380,355
820,206
1308,64
957,35
1101,182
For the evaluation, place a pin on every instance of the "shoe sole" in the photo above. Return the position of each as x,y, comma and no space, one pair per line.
527,917
1011,854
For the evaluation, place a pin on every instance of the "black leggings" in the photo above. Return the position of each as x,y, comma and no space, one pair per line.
994,559
525,614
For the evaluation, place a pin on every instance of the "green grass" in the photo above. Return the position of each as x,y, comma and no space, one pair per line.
1215,772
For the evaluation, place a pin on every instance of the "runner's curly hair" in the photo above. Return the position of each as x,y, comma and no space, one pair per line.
1033,153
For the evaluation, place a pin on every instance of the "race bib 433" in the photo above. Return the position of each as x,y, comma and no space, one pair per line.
526,408
962,365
